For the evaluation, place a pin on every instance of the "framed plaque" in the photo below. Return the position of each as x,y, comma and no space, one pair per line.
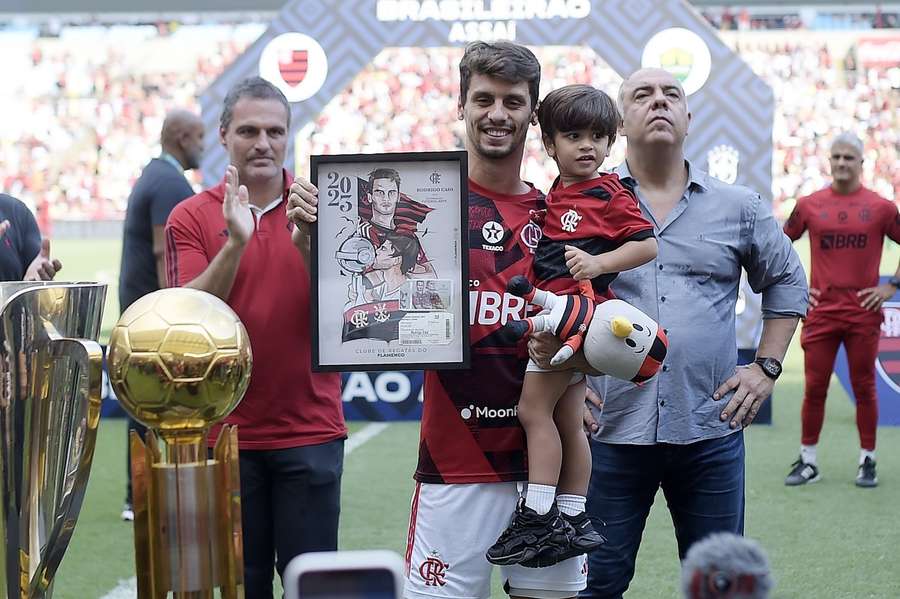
389,262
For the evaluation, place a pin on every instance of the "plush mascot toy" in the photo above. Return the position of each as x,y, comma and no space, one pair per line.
619,340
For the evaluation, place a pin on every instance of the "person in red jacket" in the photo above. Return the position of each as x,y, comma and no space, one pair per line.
847,224
234,240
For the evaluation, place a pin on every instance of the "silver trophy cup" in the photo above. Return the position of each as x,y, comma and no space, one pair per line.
50,380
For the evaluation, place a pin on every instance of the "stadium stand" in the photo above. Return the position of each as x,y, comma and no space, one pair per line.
87,108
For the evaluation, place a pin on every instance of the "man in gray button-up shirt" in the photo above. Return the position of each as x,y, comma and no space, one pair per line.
691,289
681,431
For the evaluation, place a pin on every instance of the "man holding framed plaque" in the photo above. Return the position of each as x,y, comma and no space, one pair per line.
472,455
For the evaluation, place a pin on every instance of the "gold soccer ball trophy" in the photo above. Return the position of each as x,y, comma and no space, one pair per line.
179,361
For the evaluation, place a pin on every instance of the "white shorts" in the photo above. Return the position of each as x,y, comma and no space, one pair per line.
451,526
577,377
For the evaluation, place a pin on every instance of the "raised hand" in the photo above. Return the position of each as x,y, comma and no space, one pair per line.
43,267
236,208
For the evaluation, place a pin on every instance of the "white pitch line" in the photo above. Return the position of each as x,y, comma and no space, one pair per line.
364,435
127,589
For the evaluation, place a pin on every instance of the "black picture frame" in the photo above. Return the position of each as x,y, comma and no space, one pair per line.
389,262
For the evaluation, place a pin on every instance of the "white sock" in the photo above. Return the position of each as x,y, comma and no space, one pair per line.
808,454
540,497
571,505
865,453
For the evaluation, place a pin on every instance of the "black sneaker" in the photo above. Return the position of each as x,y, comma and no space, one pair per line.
866,476
585,539
528,535
801,474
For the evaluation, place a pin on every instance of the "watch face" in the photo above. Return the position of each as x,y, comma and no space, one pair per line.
771,367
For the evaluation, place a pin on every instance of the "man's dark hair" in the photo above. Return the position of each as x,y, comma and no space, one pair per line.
384,173
577,107
405,246
252,87
504,60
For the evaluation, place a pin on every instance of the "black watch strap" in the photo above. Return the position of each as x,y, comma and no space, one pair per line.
770,367
895,281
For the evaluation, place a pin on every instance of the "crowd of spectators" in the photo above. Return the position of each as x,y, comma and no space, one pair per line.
80,113
83,112
817,95
741,19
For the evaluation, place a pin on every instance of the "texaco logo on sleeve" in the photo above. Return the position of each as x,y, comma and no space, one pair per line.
294,63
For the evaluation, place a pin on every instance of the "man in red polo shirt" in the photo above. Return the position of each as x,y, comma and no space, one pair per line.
234,241
847,224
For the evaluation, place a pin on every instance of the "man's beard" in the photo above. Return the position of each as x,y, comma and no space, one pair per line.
495,152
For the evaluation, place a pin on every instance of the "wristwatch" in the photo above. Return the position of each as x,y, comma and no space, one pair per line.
770,367
895,281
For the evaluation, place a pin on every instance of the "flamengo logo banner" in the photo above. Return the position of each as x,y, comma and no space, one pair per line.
887,365
296,64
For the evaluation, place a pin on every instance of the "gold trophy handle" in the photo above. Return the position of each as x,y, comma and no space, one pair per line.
87,355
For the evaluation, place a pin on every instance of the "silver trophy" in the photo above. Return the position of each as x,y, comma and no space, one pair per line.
50,380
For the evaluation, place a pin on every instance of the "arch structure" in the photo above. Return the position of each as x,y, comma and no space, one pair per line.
314,48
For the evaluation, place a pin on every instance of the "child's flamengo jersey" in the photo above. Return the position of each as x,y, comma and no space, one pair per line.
597,216
470,430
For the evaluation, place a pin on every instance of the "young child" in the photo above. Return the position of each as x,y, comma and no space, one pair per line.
593,228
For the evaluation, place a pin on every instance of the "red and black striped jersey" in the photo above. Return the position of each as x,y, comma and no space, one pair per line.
597,216
470,431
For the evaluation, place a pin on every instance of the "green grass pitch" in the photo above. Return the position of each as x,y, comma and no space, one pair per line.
830,540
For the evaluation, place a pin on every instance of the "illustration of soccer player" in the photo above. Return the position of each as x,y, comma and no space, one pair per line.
383,208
